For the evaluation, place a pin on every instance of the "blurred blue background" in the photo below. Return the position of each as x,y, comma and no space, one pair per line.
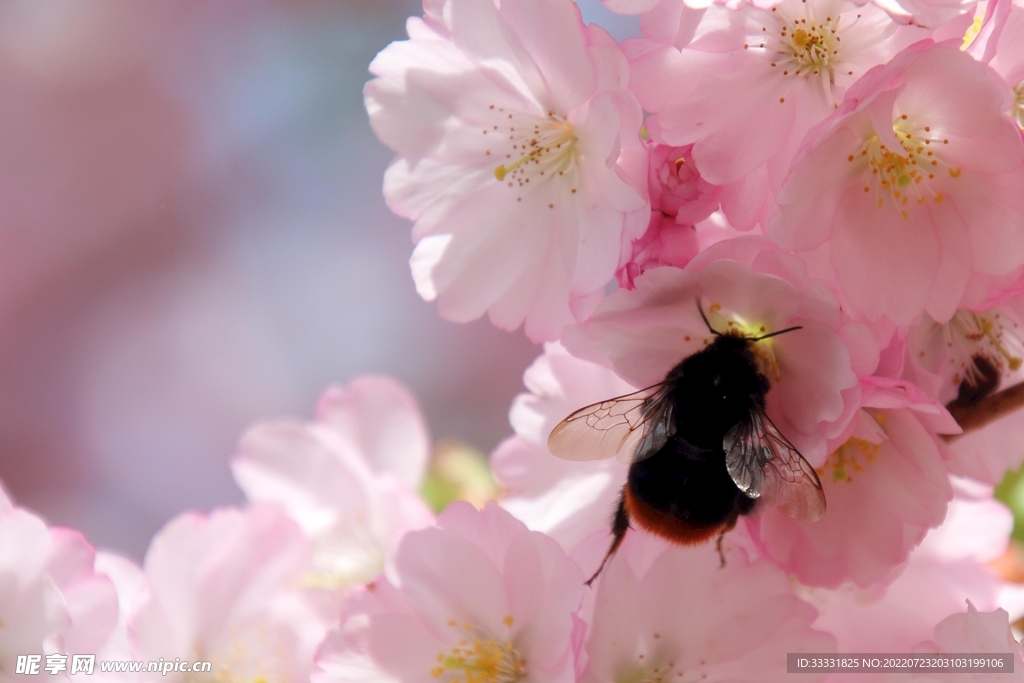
195,240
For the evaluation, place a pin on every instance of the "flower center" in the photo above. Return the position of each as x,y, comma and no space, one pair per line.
480,659
848,459
531,148
902,175
806,45
990,335
256,652
345,554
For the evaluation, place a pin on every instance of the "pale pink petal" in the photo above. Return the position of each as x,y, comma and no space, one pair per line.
886,264
740,619
873,518
385,421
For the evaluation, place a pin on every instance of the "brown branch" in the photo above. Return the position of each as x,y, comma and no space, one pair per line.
988,409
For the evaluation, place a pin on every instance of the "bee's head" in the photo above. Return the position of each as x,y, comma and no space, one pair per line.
733,375
737,333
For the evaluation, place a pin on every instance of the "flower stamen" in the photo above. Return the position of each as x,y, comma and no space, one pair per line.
989,335
846,460
534,147
480,660
903,175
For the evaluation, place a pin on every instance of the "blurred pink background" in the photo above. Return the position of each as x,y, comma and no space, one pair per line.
194,239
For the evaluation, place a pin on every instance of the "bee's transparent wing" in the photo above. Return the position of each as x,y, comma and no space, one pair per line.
632,427
764,464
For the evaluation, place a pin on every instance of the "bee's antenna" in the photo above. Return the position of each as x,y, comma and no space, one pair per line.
775,334
705,318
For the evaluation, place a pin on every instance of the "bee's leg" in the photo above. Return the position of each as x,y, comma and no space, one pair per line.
729,525
620,525
718,546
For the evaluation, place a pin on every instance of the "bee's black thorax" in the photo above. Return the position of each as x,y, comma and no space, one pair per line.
714,389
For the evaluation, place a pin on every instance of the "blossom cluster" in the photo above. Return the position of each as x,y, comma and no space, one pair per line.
847,174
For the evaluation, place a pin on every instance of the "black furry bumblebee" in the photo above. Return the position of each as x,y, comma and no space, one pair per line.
703,449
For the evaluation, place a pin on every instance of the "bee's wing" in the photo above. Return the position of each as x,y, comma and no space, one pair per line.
764,464
633,426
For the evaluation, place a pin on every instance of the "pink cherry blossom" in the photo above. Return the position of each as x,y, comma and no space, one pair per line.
666,243
51,598
912,186
676,186
564,499
976,632
751,83
948,568
224,588
680,198
348,479
668,613
983,349
31,607
645,332
480,598
515,131
886,484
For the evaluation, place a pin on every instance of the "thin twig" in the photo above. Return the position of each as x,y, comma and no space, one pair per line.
992,407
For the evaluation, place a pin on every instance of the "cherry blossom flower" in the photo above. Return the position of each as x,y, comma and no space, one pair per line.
669,613
52,601
348,479
751,83
949,567
676,186
566,500
666,243
480,599
224,589
31,608
813,372
515,133
680,198
912,186
981,349
886,484
975,632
